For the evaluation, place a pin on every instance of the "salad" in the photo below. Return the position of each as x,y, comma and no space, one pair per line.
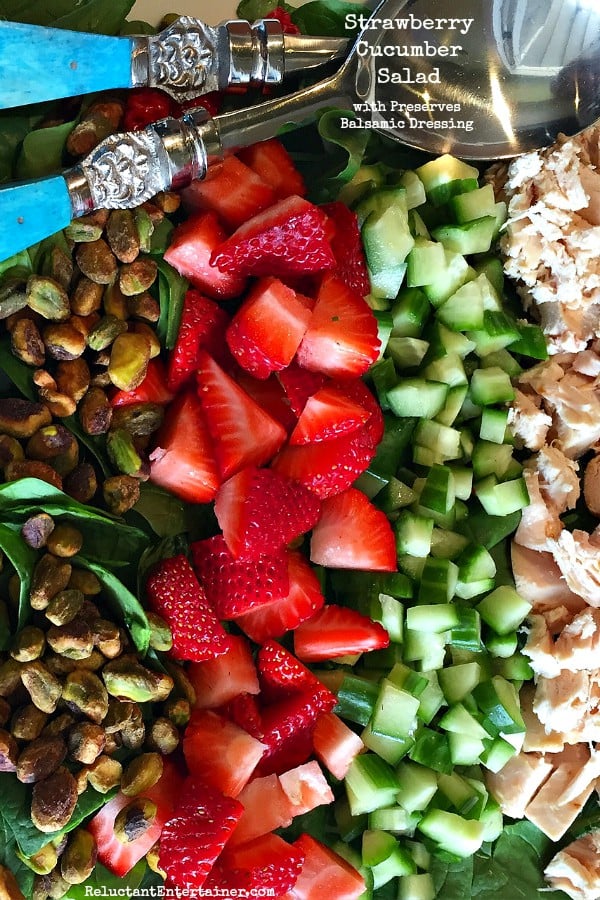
266,444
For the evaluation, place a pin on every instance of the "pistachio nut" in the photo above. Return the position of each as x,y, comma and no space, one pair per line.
122,452
81,779
178,710
121,493
9,752
49,887
41,862
183,687
104,773
114,302
63,341
97,261
87,297
120,714
53,801
50,576
168,201
85,581
10,450
28,644
28,722
128,679
123,235
44,688
37,529
153,860
141,774
10,677
5,711
63,665
107,638
85,229
83,692
85,742
129,358
135,819
9,888
13,298
73,377
161,637
58,725
26,343
81,483
137,276
40,758
95,411
48,298
31,468
105,332
163,736
21,418
73,640
79,857
139,419
64,606
144,306
149,333
145,228
65,541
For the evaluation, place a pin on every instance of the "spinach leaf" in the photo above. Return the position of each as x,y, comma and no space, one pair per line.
103,881
13,128
481,528
42,151
123,602
86,15
20,374
15,820
257,9
452,881
94,443
23,559
327,17
164,512
171,291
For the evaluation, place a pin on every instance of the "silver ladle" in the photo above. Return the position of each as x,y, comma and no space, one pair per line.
484,80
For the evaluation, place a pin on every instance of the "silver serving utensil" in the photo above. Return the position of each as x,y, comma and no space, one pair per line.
469,90
186,59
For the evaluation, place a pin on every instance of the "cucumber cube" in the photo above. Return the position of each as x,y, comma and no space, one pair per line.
451,832
504,609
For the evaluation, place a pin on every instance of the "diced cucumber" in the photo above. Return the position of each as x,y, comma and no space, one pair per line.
531,341
414,187
365,180
413,534
503,360
447,544
452,407
444,170
417,226
492,819
411,566
465,750
491,459
453,833
499,703
492,268
425,258
370,783
504,609
448,279
466,590
394,819
442,440
459,792
494,423
394,495
516,668
384,328
386,238
380,200
417,397
463,477
438,581
458,720
502,646
504,498
349,827
390,749
389,612
489,386
437,617
431,748
431,699
416,887
501,215
356,699
389,858
458,681
496,754
409,313
384,377
418,786
407,352
425,647
472,237
466,634
395,712
463,310
420,854
449,370
499,331
475,563
474,204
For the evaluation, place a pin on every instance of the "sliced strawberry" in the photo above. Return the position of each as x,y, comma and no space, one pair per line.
304,598
232,190
243,434
306,787
356,390
266,807
211,102
245,712
192,244
218,681
300,384
173,591
337,631
219,752
269,395
261,511
183,459
267,864
234,586
203,324
342,336
281,674
288,238
146,105
288,726
347,248
273,163
153,389
335,744
267,328
194,838
120,857
353,534
329,467
329,413
324,874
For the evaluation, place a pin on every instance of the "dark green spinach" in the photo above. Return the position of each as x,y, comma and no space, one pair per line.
23,559
171,291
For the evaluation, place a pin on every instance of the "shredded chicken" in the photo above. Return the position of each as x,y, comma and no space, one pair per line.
577,555
576,868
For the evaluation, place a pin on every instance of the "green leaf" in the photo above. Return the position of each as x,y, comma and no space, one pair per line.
107,884
23,559
258,9
481,528
15,821
164,512
85,15
123,602
42,151
171,291
20,374
327,17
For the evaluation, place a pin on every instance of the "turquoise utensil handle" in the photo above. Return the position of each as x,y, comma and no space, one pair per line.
31,211
39,64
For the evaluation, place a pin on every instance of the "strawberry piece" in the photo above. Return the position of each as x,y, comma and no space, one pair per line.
337,631
300,384
267,328
269,394
266,807
194,838
353,534
234,586
173,591
219,752
346,243
192,244
261,511
288,726
243,434
218,681
232,190
203,324
335,744
273,163
153,389
183,460
306,787
281,674
329,413
119,857
328,467
268,865
304,598
211,102
355,389
342,336
285,20
245,712
146,105
324,874
288,238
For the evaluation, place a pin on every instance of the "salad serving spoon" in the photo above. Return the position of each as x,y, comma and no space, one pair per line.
494,79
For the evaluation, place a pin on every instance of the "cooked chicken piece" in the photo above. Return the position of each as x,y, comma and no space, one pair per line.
529,424
537,739
587,363
578,645
558,478
546,810
577,555
540,523
538,579
591,485
551,239
576,868
515,785
539,647
561,702
589,772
